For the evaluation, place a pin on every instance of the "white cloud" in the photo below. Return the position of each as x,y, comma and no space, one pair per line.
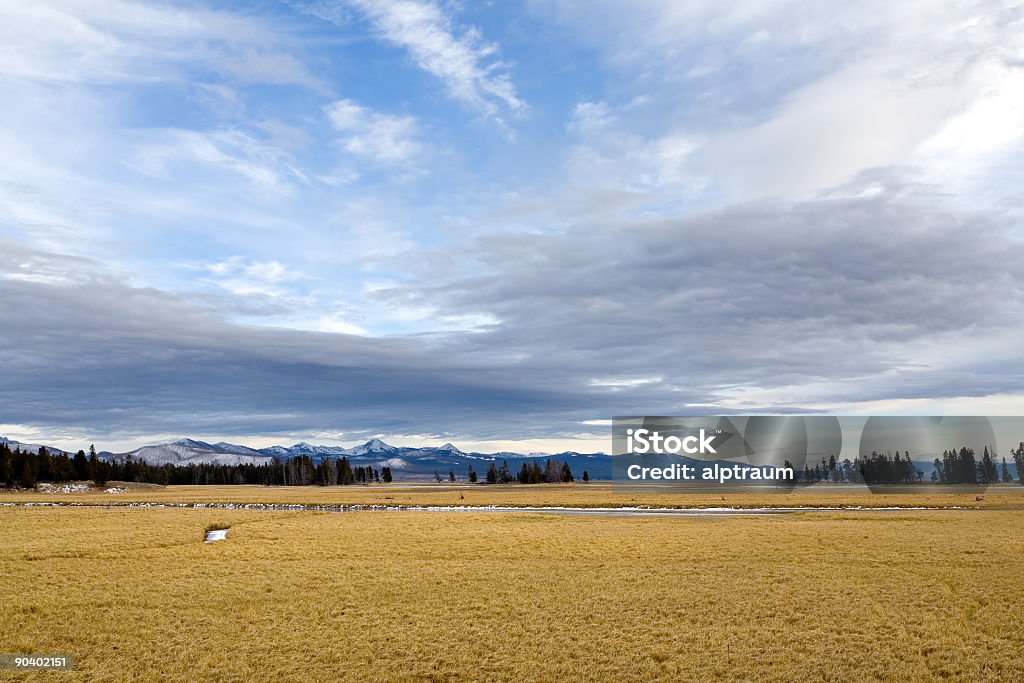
589,117
246,277
371,135
230,150
466,64
609,155
111,41
789,100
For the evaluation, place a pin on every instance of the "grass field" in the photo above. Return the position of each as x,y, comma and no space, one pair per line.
133,594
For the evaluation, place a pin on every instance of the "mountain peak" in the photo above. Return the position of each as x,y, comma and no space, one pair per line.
189,443
371,446
450,447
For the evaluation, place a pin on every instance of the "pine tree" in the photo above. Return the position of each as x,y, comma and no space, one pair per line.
1006,473
81,466
492,474
1018,460
100,472
586,476
471,475
987,468
28,477
345,475
6,467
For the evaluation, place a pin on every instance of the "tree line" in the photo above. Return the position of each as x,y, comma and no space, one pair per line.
956,466
553,472
25,469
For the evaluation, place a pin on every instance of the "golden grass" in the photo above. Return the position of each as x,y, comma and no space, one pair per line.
577,495
134,594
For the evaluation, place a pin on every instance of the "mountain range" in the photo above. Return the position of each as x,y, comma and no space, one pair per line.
406,462
33,447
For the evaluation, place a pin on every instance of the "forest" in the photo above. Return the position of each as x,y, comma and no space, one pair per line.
956,466
24,469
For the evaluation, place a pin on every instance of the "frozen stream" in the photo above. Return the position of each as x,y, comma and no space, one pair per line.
561,510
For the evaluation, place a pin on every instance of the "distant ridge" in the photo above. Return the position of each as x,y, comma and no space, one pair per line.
33,447
405,462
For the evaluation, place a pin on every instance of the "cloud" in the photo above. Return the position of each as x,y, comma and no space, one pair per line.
466,63
374,136
112,41
147,361
753,206
613,157
236,152
766,307
789,100
244,277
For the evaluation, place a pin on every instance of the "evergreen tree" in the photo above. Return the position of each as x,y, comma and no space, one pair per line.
6,466
385,474
100,472
968,466
471,475
451,476
81,464
28,477
492,474
586,476
345,475
552,472
1018,460
1006,473
987,468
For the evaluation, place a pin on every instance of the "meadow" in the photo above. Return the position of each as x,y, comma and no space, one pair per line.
134,594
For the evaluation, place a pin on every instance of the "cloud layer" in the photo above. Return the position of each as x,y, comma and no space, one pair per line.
502,222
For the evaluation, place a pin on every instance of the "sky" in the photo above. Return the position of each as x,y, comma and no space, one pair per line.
502,224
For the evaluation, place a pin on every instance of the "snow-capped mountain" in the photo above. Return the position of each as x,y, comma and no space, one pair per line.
406,462
191,451
237,450
33,447
372,447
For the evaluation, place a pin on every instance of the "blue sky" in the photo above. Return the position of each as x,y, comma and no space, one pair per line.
501,224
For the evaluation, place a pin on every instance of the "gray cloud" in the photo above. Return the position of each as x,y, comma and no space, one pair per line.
759,307
760,296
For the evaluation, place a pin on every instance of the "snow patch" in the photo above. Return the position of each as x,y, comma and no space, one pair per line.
63,488
216,535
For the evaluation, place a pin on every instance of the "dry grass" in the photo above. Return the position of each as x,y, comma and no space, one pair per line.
578,495
134,594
